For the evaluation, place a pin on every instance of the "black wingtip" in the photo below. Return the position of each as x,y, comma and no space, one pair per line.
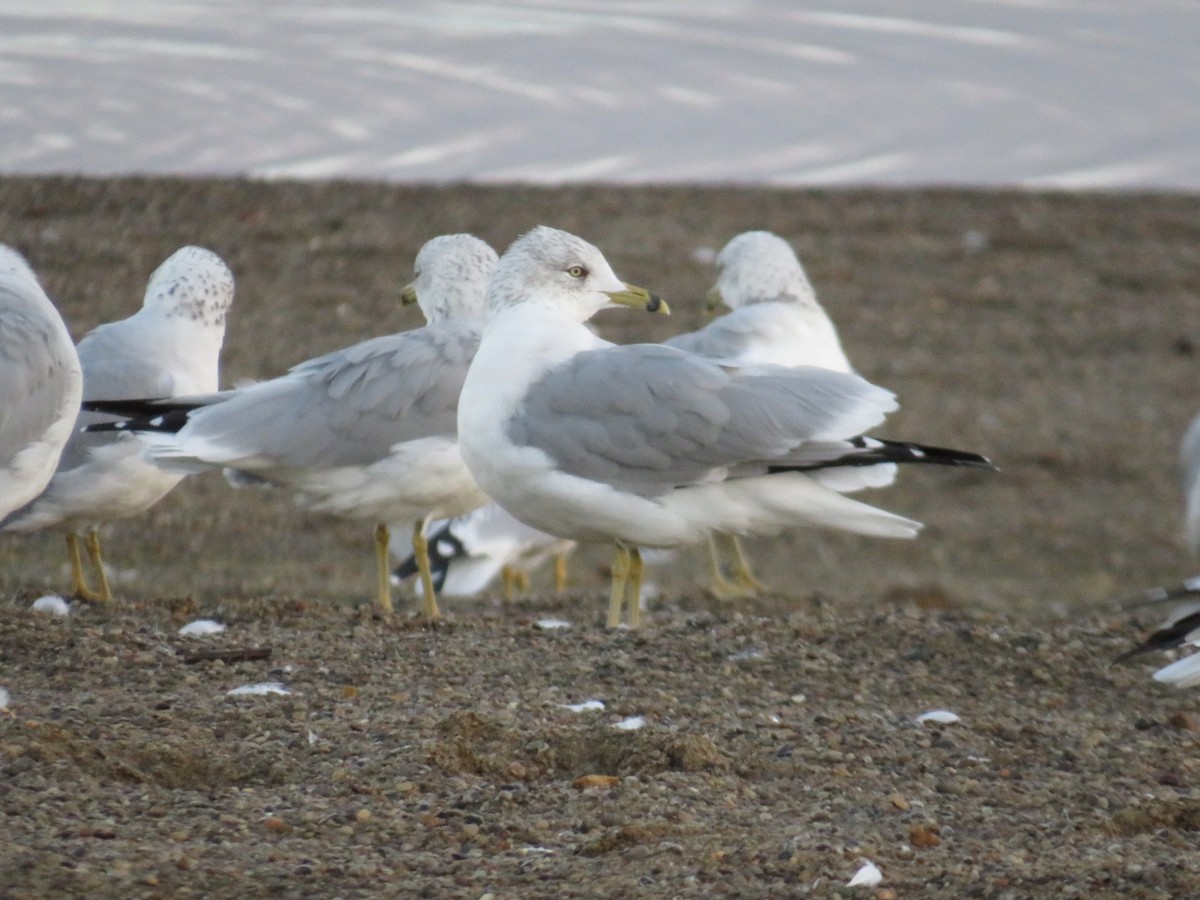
868,451
152,419
938,456
443,547
97,427
1176,634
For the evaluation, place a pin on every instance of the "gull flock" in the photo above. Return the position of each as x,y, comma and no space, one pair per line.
497,435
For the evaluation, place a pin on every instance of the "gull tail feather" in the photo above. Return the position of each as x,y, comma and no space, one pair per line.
1182,673
765,505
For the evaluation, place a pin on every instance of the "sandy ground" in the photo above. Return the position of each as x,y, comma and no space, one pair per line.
1055,333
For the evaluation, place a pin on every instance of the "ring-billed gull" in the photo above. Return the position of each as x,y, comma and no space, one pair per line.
1180,629
1189,464
1182,625
368,432
774,318
41,383
171,346
467,552
646,445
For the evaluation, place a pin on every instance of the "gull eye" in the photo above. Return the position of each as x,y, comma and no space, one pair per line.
577,271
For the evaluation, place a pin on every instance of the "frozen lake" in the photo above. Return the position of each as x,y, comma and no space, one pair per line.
1040,93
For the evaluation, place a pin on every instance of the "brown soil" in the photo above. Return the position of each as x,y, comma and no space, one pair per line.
1056,333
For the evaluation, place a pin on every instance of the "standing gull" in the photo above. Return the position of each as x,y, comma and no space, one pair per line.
1189,464
40,383
774,318
368,432
1182,625
171,346
646,445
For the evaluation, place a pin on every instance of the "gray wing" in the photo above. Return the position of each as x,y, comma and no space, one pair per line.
723,338
645,416
116,367
37,368
345,408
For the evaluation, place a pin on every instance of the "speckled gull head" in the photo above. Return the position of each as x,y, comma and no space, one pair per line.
192,283
759,267
558,271
451,275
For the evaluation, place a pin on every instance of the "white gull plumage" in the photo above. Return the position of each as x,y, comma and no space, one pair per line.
41,383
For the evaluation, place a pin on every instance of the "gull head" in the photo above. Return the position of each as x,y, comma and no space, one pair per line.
451,275
556,269
758,267
15,270
192,283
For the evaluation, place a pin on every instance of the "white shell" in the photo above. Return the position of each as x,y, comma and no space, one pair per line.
201,627
867,876
52,604
585,706
940,716
262,687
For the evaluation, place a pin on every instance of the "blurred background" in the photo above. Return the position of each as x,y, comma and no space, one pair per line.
1037,93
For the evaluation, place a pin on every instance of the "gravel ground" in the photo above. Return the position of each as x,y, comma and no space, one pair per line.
1056,333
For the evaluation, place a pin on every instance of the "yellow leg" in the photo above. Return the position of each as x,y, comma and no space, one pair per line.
560,573
383,581
516,581
79,585
719,586
742,576
429,605
92,543
620,574
633,590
